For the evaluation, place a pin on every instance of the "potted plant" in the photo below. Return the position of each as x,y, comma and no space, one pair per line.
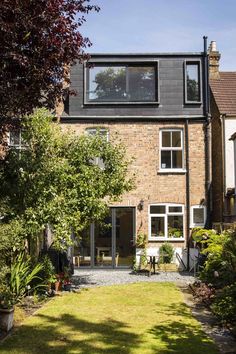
6,308
67,280
166,253
15,286
59,281
141,250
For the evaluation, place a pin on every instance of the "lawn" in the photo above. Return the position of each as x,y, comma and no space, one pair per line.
144,318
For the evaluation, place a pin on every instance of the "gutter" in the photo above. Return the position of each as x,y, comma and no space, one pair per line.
207,118
222,118
138,118
207,134
187,192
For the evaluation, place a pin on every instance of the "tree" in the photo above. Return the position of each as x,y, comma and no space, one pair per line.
54,180
39,40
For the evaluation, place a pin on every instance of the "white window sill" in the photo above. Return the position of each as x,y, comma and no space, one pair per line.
197,225
172,171
171,239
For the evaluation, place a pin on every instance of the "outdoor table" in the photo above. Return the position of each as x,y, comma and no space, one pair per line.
153,261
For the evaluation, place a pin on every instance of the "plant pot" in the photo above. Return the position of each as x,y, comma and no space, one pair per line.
168,267
67,287
58,286
6,319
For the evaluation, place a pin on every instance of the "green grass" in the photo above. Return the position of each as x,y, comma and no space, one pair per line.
144,318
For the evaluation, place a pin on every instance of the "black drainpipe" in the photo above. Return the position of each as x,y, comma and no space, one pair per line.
187,191
206,102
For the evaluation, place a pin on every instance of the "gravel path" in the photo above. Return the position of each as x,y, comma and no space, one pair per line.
87,278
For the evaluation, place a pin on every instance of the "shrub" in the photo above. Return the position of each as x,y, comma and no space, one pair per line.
166,253
224,305
204,292
220,249
18,282
141,241
48,272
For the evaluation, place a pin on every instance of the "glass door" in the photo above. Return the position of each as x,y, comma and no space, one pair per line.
103,243
109,243
82,250
124,236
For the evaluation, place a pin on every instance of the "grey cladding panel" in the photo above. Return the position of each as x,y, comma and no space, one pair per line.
171,93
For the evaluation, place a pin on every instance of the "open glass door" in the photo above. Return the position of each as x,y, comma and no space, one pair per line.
82,250
124,236
103,243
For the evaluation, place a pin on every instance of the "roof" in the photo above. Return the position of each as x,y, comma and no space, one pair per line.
224,91
151,54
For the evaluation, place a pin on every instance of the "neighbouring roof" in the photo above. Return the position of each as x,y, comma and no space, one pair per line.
224,91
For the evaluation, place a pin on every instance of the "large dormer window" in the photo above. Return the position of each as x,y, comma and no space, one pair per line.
121,83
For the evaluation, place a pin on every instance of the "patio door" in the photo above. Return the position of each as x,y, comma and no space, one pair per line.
102,243
124,233
109,244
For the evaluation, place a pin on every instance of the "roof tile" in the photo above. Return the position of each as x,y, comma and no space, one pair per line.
224,91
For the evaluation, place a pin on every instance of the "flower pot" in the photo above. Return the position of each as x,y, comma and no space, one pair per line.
58,286
67,287
6,319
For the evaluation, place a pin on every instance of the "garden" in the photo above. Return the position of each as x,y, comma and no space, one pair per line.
51,189
216,286
148,318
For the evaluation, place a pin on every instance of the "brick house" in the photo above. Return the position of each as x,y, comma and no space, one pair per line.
223,111
157,106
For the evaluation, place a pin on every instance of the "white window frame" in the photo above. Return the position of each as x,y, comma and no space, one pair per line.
166,148
98,161
21,145
192,223
167,206
97,130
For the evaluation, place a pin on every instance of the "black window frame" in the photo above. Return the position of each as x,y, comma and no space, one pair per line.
124,62
198,63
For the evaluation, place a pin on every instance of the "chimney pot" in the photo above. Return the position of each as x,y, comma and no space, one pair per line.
213,46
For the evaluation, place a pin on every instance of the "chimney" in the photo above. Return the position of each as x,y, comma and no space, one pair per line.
214,59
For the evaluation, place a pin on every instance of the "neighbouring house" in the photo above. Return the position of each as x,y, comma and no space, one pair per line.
223,111
157,106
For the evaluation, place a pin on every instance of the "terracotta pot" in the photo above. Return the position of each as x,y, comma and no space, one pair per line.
6,319
58,285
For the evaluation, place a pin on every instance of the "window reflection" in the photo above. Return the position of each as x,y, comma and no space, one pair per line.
121,83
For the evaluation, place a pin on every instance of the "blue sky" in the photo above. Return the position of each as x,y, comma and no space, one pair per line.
163,26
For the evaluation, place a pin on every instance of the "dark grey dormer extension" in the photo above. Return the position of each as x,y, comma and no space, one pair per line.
140,86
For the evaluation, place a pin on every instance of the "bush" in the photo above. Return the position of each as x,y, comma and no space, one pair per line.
204,292
141,241
224,305
166,253
19,281
220,249
48,272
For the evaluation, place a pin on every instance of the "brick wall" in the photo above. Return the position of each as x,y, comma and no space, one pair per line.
142,144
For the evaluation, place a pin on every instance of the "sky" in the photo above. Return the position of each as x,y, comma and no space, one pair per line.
152,26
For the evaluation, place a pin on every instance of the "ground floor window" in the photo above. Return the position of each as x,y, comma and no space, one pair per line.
166,221
198,216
